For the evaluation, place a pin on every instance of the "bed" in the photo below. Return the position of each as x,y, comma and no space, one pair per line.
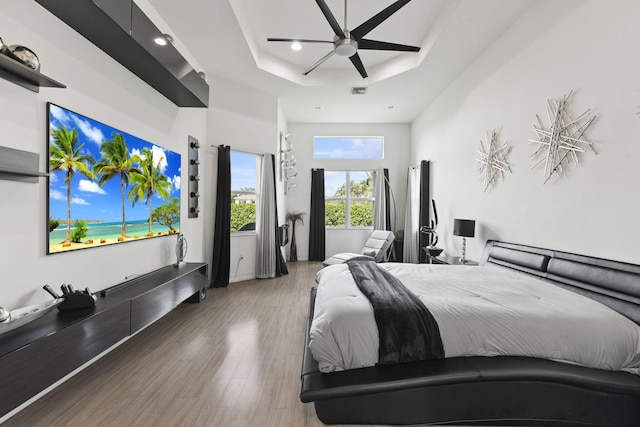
494,389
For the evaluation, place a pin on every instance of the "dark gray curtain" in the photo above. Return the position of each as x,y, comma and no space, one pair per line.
387,201
316,217
425,201
221,260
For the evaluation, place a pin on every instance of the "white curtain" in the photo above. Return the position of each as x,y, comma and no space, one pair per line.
266,220
379,206
411,244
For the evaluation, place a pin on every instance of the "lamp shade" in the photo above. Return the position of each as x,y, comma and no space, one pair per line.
464,227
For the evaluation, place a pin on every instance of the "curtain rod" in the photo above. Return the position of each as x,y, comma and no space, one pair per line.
240,151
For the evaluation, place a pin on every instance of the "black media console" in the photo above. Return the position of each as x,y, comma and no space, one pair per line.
36,355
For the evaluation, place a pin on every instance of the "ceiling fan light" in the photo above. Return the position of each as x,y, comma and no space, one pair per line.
346,47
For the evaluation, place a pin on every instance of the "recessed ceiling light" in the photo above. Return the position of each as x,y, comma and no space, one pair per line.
296,46
389,107
163,40
318,107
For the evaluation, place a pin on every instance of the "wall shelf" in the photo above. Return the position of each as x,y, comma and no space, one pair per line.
18,165
15,72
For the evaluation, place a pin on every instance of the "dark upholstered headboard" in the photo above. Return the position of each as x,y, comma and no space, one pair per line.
613,283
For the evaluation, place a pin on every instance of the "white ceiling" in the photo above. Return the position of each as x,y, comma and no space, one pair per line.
229,39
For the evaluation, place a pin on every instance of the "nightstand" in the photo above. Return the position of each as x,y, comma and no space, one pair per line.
448,260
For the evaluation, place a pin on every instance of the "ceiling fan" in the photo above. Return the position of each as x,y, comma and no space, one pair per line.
347,43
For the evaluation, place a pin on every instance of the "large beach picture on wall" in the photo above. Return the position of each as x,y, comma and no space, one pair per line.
107,186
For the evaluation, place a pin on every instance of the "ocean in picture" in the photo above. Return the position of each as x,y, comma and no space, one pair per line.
109,230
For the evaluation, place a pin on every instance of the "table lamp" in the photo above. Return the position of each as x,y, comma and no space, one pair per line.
465,228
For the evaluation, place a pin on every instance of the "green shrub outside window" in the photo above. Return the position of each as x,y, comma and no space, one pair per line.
244,178
349,198
243,215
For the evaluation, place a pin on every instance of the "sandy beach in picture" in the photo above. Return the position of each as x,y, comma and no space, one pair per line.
90,243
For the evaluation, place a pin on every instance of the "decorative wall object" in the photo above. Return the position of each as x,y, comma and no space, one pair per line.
288,169
432,236
4,49
493,160
562,139
22,54
25,56
194,177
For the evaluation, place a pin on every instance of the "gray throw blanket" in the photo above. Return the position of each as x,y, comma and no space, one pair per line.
407,330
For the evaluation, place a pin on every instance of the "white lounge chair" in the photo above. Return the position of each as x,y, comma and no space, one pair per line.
376,247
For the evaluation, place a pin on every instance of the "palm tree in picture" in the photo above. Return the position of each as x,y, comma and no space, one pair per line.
116,161
66,155
148,181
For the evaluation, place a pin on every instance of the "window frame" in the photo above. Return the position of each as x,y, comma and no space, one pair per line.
348,201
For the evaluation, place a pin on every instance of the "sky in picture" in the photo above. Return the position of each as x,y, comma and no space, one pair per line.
89,201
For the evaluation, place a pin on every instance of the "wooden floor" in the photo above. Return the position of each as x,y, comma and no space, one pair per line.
232,360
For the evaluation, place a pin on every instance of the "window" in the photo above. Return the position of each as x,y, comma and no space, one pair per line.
331,147
244,172
348,198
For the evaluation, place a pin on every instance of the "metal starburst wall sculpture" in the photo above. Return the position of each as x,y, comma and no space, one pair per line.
562,140
493,160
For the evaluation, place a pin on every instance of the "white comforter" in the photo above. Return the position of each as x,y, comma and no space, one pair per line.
481,311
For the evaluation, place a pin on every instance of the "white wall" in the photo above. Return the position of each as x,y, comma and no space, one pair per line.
397,139
248,121
590,47
100,88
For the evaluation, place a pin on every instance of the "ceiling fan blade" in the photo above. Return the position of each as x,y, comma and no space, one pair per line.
355,60
275,39
378,45
332,20
364,28
317,64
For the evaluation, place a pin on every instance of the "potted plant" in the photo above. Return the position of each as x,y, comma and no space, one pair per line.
294,217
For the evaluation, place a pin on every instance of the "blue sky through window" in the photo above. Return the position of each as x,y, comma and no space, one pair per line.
243,170
330,147
333,180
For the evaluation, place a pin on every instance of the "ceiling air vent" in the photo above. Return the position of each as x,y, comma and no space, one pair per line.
358,90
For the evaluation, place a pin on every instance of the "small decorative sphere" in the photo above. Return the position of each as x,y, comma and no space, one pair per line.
25,55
